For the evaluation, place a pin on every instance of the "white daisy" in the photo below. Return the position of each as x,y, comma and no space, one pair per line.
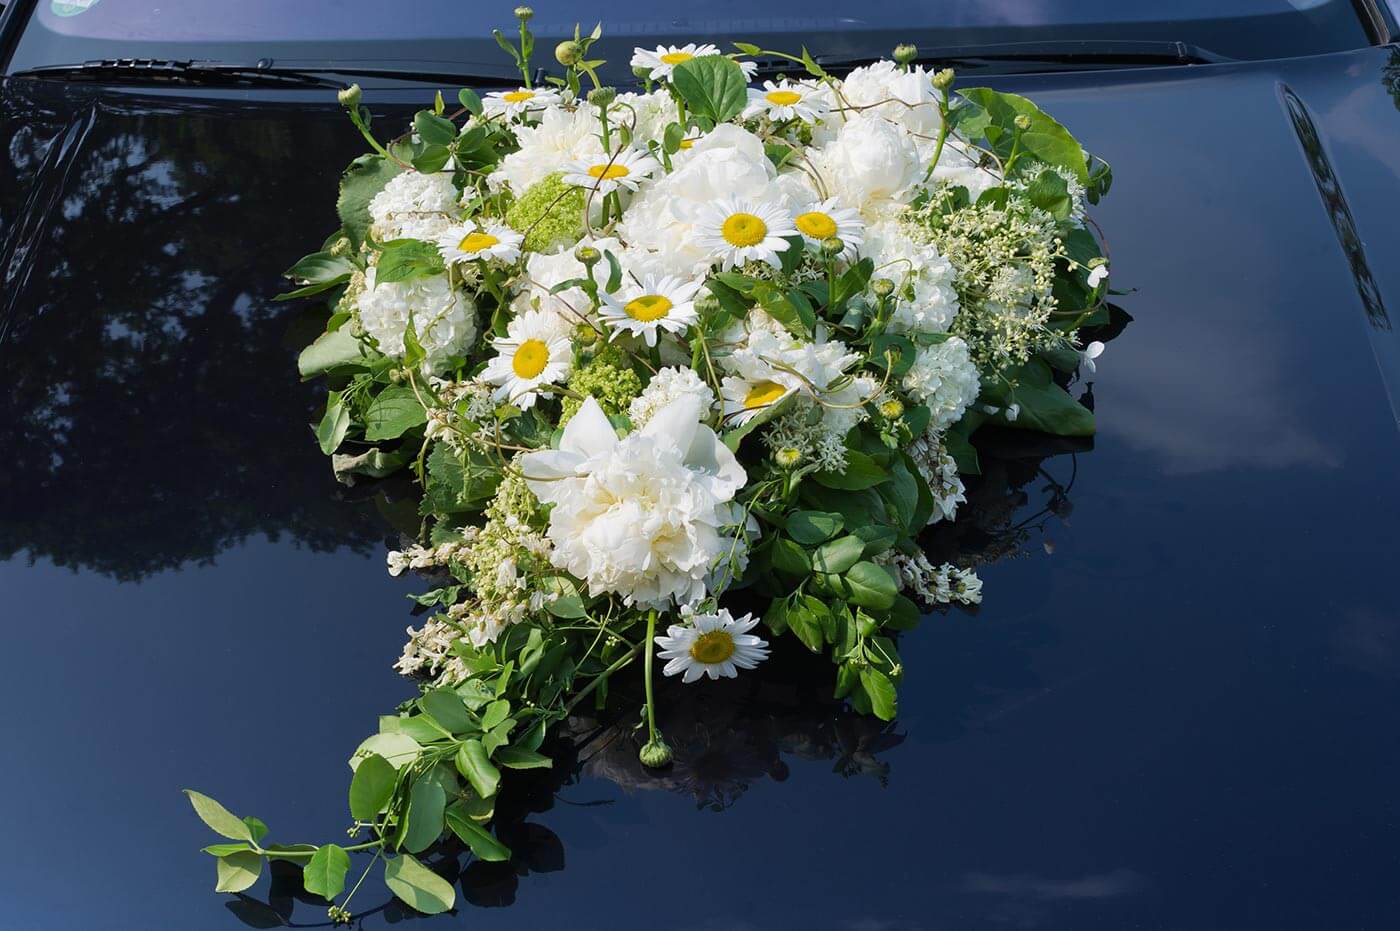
535,351
828,219
521,100
658,303
712,645
470,243
606,173
737,230
746,398
662,61
786,101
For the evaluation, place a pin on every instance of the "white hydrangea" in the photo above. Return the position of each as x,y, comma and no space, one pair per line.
927,301
943,377
560,137
414,205
444,319
650,112
667,385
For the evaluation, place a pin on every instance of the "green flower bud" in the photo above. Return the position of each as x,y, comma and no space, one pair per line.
867,626
943,79
891,408
349,97
833,246
883,287
655,754
568,53
1023,122
788,456
602,96
588,255
707,304
904,53
523,13
585,335
641,72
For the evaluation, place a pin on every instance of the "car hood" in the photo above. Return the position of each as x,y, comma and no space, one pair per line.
1175,702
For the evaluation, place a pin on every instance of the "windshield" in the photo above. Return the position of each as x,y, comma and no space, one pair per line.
440,31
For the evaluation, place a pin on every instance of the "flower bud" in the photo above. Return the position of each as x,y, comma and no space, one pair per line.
585,335
943,79
707,304
655,754
602,96
568,53
904,53
891,408
588,255
788,456
349,97
642,73
883,287
833,246
523,13
1023,122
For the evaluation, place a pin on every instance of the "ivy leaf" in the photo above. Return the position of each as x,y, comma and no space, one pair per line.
417,886
371,787
324,875
364,178
220,819
712,86
393,411
237,871
481,841
426,801
474,765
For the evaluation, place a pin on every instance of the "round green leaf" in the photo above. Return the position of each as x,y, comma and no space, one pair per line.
237,871
426,802
371,787
417,886
324,875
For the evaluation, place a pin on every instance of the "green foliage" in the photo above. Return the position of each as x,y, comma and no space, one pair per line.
712,86
1046,139
417,886
365,178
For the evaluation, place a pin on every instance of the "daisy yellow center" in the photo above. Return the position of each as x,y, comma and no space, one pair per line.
675,58
517,96
744,229
763,394
715,646
782,98
608,172
476,241
530,359
816,224
648,307
687,143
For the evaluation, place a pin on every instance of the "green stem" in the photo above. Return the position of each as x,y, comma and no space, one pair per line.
646,676
598,679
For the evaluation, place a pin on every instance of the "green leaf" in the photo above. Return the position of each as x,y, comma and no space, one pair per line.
778,306
447,709
807,617
1046,139
475,766
292,853
329,351
868,585
431,160
813,527
881,691
790,557
223,850
398,749
470,100
433,129
877,538
733,437
364,178
257,826
426,801
456,485
1045,406
220,819
520,758
838,555
334,423
237,871
317,272
481,841
404,259
712,86
861,472
1050,193
371,787
324,875
417,886
393,411
495,713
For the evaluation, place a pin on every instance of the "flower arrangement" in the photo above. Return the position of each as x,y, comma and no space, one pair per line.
679,370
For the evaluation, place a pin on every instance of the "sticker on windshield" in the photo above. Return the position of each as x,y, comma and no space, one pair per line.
71,7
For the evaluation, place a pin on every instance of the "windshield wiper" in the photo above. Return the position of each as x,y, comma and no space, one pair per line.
192,73
1029,57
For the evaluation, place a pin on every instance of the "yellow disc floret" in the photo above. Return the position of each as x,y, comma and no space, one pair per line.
712,647
648,307
530,359
744,229
763,394
476,241
782,98
518,96
675,58
816,224
608,172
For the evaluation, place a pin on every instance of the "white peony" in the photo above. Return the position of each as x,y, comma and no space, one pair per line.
641,516
886,91
444,319
414,205
944,378
562,136
869,165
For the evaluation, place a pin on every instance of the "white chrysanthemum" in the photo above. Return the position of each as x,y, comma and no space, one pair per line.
827,219
943,377
444,319
535,351
642,516
738,230
656,304
667,385
786,101
870,164
745,398
413,204
521,100
926,301
663,60
606,173
711,645
474,242
560,137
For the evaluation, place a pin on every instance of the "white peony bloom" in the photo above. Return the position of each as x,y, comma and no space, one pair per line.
667,385
904,98
641,516
943,377
870,164
562,136
927,300
444,319
711,645
414,205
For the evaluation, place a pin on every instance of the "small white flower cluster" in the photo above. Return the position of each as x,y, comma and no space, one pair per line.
430,557
940,471
668,385
935,585
944,377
